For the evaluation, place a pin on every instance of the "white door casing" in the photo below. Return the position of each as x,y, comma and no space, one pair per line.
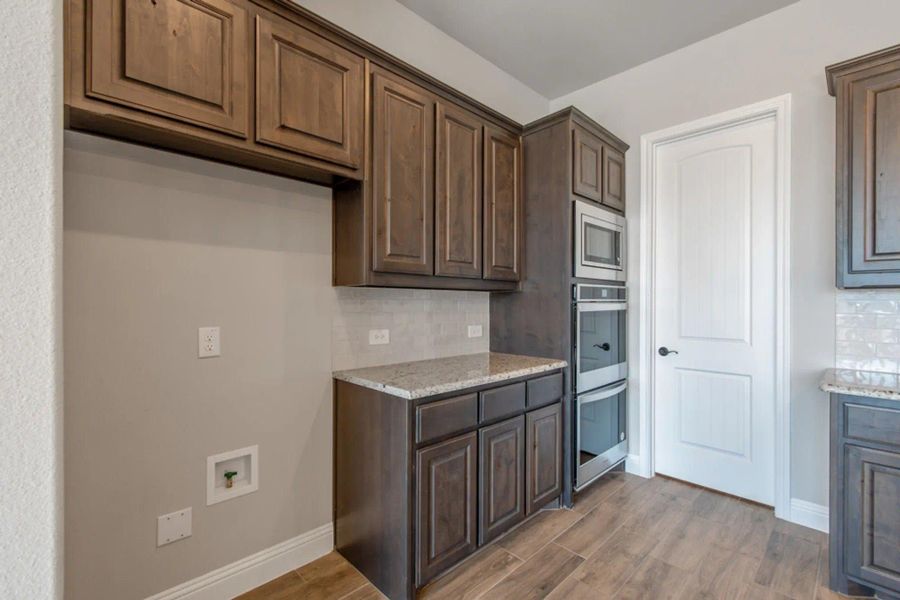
714,287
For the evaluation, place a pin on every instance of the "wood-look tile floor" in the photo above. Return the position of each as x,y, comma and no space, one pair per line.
625,537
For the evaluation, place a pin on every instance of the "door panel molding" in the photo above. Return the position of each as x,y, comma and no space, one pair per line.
778,109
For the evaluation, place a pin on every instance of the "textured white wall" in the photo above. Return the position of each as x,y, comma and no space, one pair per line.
398,30
30,210
785,51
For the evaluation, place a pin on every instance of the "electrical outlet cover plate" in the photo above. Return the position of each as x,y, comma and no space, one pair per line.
475,331
173,526
378,337
209,342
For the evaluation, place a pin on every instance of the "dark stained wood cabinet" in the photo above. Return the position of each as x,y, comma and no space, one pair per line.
613,178
182,59
458,193
402,177
447,509
501,449
868,169
587,164
421,484
309,93
543,462
442,207
538,319
503,209
865,496
427,181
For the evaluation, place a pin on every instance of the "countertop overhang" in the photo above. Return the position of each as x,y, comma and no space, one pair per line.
871,384
423,378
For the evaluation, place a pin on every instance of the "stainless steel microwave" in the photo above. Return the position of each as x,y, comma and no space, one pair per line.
599,243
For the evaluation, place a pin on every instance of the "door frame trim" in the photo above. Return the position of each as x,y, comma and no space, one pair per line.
779,109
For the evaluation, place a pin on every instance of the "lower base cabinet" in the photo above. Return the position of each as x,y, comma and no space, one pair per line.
544,462
420,485
865,496
502,462
446,504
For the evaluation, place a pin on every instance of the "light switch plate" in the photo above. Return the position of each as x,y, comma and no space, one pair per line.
475,331
378,337
173,526
209,342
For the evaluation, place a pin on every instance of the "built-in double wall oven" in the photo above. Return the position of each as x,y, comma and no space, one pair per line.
601,369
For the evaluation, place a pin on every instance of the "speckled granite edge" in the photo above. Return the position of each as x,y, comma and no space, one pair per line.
871,384
420,379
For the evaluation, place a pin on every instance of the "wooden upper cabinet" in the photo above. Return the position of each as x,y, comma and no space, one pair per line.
310,93
868,169
182,59
503,212
613,178
458,193
402,177
587,164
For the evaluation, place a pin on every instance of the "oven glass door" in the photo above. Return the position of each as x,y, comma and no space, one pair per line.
600,431
600,344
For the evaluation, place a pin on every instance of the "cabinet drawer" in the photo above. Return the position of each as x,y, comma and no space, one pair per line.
444,417
872,424
502,401
545,390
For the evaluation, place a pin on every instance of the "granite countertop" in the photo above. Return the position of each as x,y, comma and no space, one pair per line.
861,383
424,378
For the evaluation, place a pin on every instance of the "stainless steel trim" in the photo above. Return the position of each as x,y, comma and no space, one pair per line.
588,473
587,213
602,394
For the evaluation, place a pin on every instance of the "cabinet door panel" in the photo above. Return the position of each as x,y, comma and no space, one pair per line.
182,59
447,496
502,205
543,463
402,178
872,516
613,178
309,93
868,177
501,449
458,193
587,165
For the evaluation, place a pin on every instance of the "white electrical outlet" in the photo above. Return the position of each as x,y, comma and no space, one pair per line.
378,337
173,527
475,331
209,342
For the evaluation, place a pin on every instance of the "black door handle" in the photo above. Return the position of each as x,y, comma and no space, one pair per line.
603,346
663,351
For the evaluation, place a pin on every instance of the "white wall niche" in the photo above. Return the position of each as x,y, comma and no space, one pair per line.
245,461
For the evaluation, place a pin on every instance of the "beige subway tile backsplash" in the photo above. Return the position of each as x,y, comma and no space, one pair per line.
868,330
423,324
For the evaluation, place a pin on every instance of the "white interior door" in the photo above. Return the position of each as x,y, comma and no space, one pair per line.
715,282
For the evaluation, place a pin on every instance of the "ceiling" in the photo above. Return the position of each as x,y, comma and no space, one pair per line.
558,46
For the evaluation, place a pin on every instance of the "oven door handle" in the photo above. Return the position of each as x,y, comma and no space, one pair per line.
602,394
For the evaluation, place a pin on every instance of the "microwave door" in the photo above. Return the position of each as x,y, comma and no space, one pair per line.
601,245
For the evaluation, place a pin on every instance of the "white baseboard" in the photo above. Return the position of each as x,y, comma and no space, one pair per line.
809,514
253,571
633,465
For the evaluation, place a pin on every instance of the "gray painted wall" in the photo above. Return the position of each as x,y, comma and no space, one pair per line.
785,51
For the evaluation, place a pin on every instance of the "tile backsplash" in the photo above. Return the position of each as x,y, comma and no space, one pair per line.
423,324
868,330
